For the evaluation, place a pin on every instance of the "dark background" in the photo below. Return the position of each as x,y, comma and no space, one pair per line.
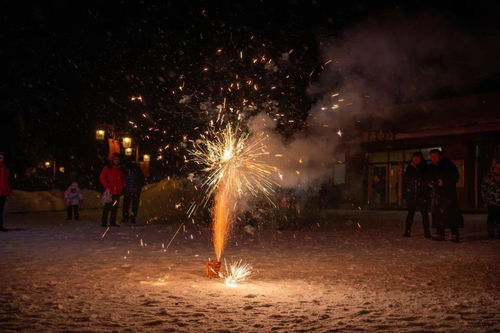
71,65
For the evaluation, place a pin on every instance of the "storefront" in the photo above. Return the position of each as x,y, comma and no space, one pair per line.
470,139
384,175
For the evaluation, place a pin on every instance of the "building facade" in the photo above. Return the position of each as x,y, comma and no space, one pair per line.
466,128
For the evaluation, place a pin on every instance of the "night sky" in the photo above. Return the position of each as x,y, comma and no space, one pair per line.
72,65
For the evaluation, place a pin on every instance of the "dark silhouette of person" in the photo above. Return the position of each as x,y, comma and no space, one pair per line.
416,192
134,181
446,214
490,189
5,189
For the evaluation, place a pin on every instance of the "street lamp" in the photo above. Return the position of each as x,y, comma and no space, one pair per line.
47,164
99,134
127,142
61,169
146,157
128,151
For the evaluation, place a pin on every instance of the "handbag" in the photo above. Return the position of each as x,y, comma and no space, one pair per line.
106,197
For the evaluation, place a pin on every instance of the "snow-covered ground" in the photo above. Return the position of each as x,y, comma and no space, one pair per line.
352,272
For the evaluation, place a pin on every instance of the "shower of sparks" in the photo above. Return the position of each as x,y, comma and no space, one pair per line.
235,159
236,272
233,163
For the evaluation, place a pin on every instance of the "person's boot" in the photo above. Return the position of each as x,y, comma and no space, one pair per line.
439,236
427,234
425,223
407,228
491,231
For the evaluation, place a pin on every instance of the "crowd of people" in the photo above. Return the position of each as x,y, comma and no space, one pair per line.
426,187
433,187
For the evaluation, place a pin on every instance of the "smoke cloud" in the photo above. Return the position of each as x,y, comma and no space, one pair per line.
367,69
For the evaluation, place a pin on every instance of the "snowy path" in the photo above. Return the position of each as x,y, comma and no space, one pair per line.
63,276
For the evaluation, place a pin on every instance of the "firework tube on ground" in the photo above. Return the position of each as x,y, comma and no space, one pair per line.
213,269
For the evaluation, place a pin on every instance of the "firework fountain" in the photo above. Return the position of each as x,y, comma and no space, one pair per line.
232,160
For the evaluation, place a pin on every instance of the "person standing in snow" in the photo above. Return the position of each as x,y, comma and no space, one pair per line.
134,181
113,180
416,192
490,190
5,189
73,199
443,175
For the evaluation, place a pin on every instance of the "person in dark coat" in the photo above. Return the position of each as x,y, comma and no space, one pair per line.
5,189
443,175
416,192
134,181
113,180
490,189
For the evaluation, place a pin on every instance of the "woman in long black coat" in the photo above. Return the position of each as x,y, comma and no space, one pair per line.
446,213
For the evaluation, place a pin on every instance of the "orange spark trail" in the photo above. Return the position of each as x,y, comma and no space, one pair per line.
221,219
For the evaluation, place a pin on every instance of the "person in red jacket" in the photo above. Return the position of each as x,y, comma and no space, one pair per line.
113,180
4,188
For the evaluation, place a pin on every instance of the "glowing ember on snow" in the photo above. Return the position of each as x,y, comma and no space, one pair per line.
232,161
236,272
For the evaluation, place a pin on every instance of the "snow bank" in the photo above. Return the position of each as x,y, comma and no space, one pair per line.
169,197
167,200
42,201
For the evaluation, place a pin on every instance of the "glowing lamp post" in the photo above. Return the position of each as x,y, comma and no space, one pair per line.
128,151
127,142
48,165
146,158
61,169
99,134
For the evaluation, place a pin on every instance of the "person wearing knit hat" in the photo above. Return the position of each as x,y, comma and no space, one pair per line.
73,198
